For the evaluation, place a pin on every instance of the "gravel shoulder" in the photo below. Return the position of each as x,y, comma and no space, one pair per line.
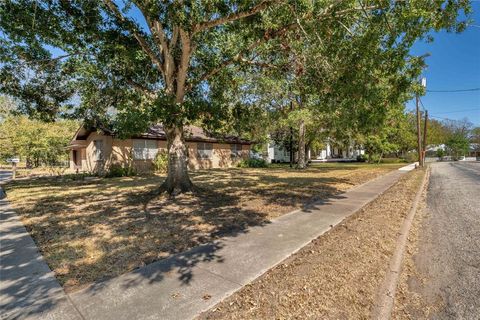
337,275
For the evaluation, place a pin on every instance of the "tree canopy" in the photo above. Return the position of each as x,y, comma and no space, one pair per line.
35,142
130,63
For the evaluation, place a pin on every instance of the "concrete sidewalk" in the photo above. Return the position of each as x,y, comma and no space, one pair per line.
28,288
186,284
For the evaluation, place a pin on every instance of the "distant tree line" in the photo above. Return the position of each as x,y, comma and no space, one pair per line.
35,142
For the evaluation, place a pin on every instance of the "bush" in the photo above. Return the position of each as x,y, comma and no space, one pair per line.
373,158
392,160
361,158
56,170
252,163
78,176
117,170
440,153
160,163
411,157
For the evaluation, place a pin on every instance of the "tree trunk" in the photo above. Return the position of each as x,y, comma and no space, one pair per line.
28,163
292,155
301,146
380,158
178,180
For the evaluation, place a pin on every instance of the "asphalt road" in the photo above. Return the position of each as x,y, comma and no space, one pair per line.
448,258
5,175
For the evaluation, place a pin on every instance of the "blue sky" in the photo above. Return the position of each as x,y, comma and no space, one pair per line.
454,64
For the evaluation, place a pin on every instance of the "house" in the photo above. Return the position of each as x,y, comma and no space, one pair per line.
277,153
93,150
332,151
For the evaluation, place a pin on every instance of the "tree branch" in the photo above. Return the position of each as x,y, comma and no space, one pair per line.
173,41
49,60
169,63
239,56
355,9
142,89
183,65
141,40
232,17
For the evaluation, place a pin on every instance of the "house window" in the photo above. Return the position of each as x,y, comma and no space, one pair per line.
204,150
144,149
236,150
98,150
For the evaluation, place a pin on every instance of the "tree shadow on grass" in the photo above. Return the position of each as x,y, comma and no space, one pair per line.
108,227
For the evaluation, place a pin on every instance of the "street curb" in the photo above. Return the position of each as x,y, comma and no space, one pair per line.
385,298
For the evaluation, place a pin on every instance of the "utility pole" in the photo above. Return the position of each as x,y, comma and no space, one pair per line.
421,147
425,137
419,134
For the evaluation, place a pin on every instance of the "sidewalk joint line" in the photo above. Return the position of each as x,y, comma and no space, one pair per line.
220,276
74,305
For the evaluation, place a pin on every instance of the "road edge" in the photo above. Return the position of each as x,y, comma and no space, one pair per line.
385,299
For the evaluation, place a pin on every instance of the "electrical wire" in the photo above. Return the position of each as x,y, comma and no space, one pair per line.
439,117
456,111
421,104
459,90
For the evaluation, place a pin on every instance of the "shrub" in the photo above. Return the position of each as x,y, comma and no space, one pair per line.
392,160
440,153
77,176
361,158
117,170
56,170
252,163
411,157
373,158
160,163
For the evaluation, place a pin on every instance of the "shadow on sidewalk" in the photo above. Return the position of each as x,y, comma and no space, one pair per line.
28,287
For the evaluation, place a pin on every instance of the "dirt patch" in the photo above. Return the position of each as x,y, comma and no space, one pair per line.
337,275
91,230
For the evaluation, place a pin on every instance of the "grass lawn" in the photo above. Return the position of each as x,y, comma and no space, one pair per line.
90,230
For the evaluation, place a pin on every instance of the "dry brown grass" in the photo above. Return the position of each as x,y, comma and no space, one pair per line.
336,276
91,230
409,304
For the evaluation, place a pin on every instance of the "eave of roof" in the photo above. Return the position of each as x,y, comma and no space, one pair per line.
192,134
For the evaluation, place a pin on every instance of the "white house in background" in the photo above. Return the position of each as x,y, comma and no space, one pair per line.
435,148
277,153
334,152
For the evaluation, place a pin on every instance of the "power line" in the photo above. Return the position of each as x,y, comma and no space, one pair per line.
440,118
421,103
456,111
459,90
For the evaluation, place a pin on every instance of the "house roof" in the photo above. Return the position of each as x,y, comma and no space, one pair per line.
192,134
